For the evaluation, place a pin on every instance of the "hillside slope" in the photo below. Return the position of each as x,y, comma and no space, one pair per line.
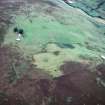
54,26
94,8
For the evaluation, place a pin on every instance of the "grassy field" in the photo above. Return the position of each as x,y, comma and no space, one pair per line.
70,32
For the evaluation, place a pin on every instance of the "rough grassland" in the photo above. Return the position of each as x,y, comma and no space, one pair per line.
75,35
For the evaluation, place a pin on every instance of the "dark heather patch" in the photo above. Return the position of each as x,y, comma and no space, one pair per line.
65,45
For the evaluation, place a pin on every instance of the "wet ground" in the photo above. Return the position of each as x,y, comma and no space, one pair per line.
22,83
